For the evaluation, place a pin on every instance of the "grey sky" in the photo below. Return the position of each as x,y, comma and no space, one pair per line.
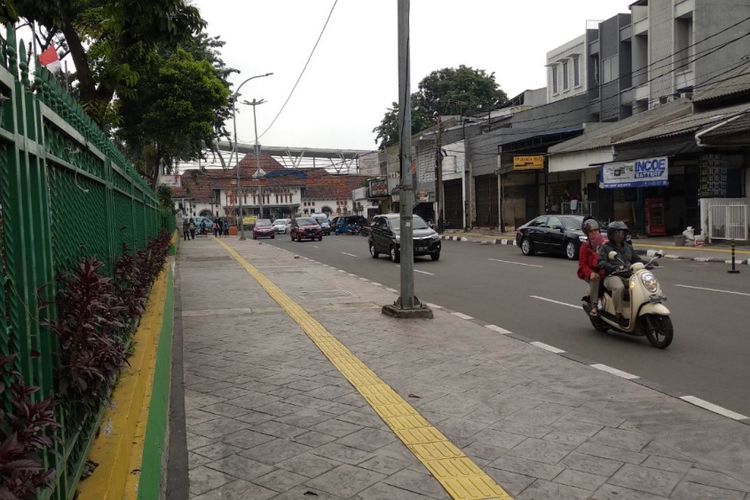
353,76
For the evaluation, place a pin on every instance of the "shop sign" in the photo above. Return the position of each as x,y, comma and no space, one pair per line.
528,162
378,187
647,172
173,181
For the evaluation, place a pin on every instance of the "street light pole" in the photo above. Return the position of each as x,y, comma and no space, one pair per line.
258,171
236,153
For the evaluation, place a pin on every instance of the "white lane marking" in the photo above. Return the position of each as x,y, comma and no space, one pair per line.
497,329
424,272
434,306
555,301
547,347
614,371
516,263
364,279
392,290
712,407
341,270
462,315
714,290
315,246
349,254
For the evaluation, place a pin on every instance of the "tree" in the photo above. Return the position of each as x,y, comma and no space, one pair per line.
171,112
108,41
448,91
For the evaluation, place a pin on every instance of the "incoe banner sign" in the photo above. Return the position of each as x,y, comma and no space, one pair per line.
647,172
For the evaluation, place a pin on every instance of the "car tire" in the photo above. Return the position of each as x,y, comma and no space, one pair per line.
395,254
320,238
273,236
571,250
374,253
254,237
435,256
526,247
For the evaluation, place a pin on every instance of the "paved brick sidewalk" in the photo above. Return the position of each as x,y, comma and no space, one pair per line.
269,417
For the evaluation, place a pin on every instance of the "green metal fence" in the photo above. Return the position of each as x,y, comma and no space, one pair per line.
66,193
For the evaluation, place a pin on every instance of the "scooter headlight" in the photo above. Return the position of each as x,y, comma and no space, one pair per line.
649,281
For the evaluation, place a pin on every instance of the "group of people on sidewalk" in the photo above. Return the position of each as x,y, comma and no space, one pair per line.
597,268
220,227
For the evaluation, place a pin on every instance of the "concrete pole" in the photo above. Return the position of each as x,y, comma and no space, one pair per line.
237,168
257,153
439,178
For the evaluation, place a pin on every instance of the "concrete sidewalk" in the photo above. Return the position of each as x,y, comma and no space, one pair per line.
270,416
717,253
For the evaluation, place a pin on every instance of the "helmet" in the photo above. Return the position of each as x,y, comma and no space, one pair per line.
616,226
589,224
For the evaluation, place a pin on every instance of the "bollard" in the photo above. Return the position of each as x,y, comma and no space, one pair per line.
734,270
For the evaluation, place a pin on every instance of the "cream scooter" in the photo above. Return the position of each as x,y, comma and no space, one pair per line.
643,306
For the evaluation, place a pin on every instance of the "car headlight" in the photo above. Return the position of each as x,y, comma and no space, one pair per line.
435,237
649,281
398,238
582,238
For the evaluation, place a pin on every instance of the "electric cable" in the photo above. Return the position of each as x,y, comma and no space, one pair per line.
294,87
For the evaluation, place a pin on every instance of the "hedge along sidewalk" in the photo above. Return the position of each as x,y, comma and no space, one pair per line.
130,446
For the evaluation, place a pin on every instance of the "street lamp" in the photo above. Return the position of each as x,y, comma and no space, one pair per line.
259,173
236,153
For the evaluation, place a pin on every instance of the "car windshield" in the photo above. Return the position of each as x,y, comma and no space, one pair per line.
281,221
305,221
263,222
417,223
572,222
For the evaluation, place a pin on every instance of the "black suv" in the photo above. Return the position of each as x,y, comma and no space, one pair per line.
384,237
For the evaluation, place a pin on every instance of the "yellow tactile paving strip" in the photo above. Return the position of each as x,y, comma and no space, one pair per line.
460,477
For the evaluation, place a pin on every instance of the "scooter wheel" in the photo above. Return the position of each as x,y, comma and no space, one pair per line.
659,330
598,324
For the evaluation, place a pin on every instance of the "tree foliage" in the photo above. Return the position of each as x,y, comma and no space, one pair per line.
448,91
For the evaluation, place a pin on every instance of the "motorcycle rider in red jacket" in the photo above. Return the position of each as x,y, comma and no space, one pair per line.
588,257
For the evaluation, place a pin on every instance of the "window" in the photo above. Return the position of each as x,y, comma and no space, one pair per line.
610,71
576,71
595,68
565,75
554,79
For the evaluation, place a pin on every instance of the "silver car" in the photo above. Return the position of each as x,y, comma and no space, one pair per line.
282,225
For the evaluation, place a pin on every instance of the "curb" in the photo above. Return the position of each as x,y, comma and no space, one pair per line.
647,252
129,447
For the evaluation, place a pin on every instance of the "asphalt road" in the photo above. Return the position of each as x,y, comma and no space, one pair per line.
709,357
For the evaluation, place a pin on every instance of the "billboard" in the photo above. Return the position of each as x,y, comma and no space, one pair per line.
378,187
528,162
647,172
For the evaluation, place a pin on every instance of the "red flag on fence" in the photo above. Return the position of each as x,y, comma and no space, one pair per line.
49,59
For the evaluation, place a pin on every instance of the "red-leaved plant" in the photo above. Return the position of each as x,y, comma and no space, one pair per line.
24,434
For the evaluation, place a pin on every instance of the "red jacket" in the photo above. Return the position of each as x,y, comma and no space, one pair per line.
587,260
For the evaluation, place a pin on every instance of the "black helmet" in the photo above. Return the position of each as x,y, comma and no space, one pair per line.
589,224
616,226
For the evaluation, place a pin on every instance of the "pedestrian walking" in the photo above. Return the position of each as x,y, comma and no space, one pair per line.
225,226
191,226
185,229
217,228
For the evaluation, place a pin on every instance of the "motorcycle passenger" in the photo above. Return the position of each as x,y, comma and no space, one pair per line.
588,256
617,232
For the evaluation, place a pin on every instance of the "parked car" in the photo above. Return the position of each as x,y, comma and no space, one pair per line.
324,222
282,225
209,224
306,228
385,238
559,234
263,229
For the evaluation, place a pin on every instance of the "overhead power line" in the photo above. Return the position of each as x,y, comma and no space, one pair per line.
301,72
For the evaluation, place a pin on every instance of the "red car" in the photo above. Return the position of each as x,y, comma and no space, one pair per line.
263,229
306,228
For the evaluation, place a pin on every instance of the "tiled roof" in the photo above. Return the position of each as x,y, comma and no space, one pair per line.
318,183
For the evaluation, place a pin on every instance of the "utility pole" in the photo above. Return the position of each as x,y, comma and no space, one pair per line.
439,176
407,305
259,173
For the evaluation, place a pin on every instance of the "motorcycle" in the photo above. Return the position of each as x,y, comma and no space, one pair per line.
643,306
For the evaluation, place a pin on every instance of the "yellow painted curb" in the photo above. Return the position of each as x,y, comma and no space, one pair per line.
456,472
118,449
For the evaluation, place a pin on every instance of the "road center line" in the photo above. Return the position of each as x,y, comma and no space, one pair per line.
424,272
714,290
349,254
555,301
517,263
